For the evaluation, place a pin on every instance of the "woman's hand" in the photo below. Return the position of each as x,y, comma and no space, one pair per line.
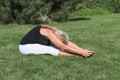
86,53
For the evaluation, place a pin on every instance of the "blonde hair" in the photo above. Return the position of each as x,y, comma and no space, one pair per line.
62,35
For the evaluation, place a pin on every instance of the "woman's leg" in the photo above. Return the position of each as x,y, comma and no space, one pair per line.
61,53
38,49
42,49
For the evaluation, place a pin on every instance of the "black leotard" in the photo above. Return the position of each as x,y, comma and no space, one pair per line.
34,36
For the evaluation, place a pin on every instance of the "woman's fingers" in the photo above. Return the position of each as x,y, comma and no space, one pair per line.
88,54
90,51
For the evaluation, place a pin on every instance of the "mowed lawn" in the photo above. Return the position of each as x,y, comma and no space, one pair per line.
98,33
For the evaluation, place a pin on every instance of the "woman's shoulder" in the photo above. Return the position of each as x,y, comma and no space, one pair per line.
48,27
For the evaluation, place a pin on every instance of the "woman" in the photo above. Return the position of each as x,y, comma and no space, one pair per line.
46,39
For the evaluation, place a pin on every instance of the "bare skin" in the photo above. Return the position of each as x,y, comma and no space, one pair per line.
65,49
61,53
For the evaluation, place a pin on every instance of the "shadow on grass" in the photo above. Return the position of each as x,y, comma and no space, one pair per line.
79,19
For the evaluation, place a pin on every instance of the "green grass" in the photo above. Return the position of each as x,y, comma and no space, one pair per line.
99,33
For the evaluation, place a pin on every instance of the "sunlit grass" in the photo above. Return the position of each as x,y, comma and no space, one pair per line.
99,33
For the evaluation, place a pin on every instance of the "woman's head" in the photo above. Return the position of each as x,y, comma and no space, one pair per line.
62,35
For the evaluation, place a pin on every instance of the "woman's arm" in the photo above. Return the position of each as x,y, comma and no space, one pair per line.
73,45
56,41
